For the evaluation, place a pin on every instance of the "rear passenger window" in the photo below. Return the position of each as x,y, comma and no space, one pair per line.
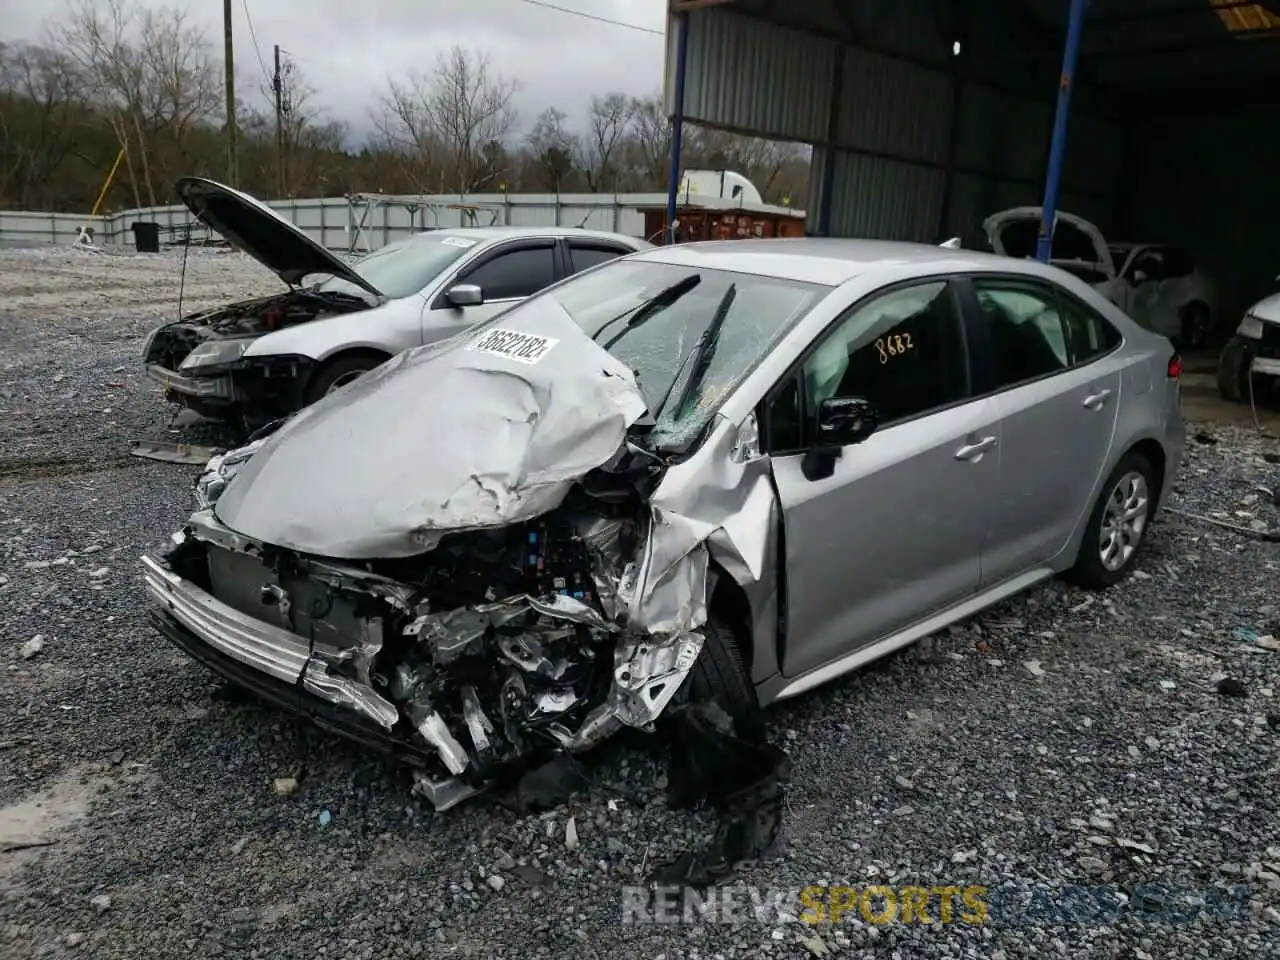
1027,335
1088,333
584,258
520,273
903,351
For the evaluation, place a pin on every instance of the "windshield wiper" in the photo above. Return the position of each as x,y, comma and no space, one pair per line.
659,301
703,353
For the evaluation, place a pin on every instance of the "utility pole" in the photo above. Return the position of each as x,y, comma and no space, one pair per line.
276,86
233,166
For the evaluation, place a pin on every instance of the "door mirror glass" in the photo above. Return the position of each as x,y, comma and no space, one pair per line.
465,295
1139,276
845,420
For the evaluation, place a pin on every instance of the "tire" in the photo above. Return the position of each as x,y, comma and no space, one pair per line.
720,676
1196,326
1233,370
1131,480
338,372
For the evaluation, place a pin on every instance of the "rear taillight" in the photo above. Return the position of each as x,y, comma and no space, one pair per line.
1175,367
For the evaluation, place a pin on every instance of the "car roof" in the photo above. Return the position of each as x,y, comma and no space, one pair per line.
512,233
827,260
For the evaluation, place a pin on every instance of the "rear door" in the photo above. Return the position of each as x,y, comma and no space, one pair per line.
1050,365
895,532
585,254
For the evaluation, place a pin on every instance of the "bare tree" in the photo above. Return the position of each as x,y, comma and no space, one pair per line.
651,140
608,124
552,148
148,71
37,124
450,116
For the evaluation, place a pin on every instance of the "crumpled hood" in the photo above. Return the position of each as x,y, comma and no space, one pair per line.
262,233
489,428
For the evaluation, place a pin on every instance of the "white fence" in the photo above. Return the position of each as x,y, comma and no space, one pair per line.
364,224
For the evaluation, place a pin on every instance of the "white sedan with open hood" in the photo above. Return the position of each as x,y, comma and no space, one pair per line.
254,361
1159,286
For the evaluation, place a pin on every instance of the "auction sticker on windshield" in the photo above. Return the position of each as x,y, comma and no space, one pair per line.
521,347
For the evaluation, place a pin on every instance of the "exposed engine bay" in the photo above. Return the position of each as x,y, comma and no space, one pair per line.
495,648
249,318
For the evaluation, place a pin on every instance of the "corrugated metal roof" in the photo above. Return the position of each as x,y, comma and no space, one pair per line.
891,106
885,199
746,74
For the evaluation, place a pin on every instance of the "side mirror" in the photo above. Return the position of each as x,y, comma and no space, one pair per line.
845,420
1139,276
465,295
841,421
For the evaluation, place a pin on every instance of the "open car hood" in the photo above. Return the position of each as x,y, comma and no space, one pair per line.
489,428
1012,233
262,233
1267,309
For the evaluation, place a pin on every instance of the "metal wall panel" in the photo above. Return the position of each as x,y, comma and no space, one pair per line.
894,107
1094,150
885,199
745,74
1002,134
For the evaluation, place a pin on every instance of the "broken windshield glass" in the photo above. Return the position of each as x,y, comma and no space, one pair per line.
659,350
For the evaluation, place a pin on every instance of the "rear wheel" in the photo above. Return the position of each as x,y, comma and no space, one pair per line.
1118,524
338,372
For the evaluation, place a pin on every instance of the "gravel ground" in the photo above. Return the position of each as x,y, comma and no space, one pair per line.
1062,745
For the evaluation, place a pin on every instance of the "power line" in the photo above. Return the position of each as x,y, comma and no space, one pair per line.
592,16
254,37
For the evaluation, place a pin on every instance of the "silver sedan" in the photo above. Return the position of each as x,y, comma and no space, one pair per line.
728,471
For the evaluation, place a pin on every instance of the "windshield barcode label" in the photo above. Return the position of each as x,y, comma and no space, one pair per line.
521,347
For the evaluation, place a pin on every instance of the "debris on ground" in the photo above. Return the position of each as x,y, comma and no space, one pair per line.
32,647
743,780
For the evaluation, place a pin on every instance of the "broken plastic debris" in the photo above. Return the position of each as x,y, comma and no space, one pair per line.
286,785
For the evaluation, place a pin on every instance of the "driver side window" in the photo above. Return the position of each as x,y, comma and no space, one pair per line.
903,351
515,274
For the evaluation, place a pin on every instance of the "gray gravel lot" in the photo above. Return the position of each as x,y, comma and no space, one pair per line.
1064,745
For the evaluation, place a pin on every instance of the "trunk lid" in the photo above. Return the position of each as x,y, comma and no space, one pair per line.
1013,233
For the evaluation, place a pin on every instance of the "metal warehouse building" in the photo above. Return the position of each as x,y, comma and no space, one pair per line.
926,116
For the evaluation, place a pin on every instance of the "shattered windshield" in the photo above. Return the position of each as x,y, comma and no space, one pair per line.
403,268
682,390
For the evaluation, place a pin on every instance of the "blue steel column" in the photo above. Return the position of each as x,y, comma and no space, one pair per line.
1058,146
677,121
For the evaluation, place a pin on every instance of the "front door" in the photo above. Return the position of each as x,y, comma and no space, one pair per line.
895,531
506,276
1057,392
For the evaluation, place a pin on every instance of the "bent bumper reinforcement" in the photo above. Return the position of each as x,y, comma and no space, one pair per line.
257,648
206,388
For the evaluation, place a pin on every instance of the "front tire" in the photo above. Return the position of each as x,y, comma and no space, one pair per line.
1117,525
720,676
1233,370
338,372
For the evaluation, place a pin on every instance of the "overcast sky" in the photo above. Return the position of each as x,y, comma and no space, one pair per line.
347,49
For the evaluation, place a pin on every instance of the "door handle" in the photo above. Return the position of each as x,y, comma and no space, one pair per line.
1094,401
972,451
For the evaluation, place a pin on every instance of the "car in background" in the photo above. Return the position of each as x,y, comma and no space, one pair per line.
256,360
1159,286
1250,362
726,471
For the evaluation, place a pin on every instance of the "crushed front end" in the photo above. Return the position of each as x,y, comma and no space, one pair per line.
494,650
200,361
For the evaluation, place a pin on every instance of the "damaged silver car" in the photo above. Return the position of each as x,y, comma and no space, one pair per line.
725,471
253,361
